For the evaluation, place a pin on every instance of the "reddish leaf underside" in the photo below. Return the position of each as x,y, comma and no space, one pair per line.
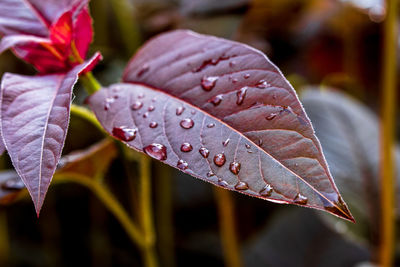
34,121
240,86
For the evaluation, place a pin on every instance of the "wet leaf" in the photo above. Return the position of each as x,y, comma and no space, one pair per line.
34,122
258,140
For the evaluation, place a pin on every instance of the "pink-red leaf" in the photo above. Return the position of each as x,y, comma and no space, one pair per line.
239,86
34,121
34,17
44,32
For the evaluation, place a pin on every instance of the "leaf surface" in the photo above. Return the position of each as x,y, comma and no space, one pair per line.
262,143
34,122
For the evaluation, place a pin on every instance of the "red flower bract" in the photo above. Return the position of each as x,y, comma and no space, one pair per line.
51,44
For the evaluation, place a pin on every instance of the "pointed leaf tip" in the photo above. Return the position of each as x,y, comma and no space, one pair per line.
34,121
226,98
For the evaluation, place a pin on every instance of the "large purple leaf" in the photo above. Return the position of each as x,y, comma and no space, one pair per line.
34,17
253,108
34,121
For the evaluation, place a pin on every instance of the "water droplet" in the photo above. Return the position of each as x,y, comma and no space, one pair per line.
187,123
226,142
222,183
143,70
241,186
300,199
186,147
141,95
108,102
13,184
210,125
262,84
151,108
235,80
137,105
115,96
267,190
210,174
209,82
183,165
247,146
274,96
153,124
156,151
145,115
271,116
153,99
179,111
193,112
216,100
204,152
247,75
260,142
241,94
124,133
234,167
232,64
219,159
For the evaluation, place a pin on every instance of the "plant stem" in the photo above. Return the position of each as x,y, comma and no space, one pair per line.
88,80
109,202
90,83
86,114
164,209
149,253
226,213
388,135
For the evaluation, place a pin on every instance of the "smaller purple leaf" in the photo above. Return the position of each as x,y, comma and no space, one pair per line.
34,121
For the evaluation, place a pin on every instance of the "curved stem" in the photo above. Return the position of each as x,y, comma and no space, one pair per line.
88,80
164,209
388,135
109,202
146,210
230,244
86,114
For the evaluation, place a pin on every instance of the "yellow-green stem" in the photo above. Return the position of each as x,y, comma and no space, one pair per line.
228,233
89,82
388,104
86,114
164,209
149,253
109,202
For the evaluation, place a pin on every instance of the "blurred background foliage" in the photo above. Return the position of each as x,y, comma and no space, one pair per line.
330,50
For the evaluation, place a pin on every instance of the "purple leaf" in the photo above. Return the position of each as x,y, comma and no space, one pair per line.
2,147
220,111
34,122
